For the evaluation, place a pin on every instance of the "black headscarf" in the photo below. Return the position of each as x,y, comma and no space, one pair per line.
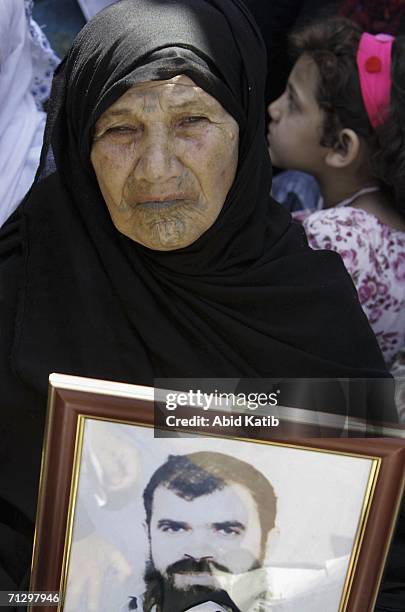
248,298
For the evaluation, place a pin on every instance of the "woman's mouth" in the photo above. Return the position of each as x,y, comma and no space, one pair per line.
157,202
160,204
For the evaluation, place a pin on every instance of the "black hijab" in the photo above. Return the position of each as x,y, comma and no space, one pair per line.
248,298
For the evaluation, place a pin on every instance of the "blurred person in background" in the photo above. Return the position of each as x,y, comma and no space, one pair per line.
27,63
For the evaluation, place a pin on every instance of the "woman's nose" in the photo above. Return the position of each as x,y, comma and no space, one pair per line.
157,161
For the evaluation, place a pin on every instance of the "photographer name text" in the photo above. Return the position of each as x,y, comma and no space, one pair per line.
242,420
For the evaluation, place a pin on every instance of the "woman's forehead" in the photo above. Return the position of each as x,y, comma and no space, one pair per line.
178,92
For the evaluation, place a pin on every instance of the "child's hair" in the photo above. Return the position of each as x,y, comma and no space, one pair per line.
333,44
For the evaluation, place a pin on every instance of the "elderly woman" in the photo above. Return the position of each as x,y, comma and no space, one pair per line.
153,249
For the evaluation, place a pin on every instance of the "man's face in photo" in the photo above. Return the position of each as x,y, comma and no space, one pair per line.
191,538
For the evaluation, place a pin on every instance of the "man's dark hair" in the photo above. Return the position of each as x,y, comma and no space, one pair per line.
332,44
197,474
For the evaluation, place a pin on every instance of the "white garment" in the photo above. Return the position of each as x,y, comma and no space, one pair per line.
21,123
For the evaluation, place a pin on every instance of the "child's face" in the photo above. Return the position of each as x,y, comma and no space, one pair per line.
296,126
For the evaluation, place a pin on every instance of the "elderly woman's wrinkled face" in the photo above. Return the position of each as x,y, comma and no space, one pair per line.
165,155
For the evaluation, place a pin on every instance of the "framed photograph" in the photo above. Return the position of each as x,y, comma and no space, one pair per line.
206,517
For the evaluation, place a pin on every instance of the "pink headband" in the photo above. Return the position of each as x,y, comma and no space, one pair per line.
374,66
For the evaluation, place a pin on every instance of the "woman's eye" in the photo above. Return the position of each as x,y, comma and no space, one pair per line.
193,120
122,130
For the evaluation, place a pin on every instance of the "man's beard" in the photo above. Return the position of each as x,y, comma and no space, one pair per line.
162,592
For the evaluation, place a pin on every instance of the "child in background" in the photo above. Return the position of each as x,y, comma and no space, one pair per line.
342,119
